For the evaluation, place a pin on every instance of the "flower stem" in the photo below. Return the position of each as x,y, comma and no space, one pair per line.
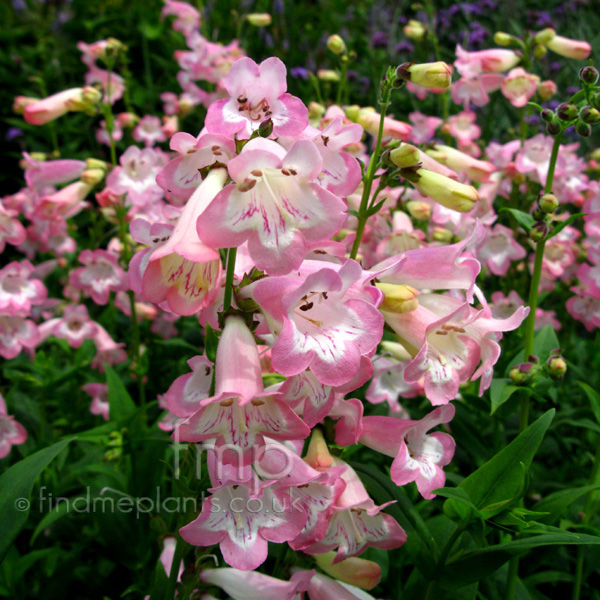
231,254
363,213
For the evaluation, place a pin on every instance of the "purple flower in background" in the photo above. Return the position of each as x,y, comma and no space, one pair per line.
404,47
379,40
299,72
12,133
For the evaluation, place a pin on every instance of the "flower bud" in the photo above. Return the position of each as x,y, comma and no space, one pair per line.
317,455
547,115
539,51
315,111
328,75
557,367
265,129
553,129
415,30
362,573
589,115
127,119
516,376
398,351
503,39
437,75
566,111
259,19
95,163
441,234
546,89
336,44
406,155
352,112
588,75
21,102
419,210
583,129
398,298
576,49
544,36
539,231
93,176
447,192
548,203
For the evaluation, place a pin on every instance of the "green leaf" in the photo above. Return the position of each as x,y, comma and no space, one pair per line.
525,220
120,403
500,480
211,341
544,342
557,502
593,397
562,224
16,485
476,565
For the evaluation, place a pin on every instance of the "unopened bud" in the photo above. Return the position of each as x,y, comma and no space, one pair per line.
546,89
328,75
356,571
336,44
539,231
317,455
443,235
447,192
588,75
93,176
315,110
399,298
583,129
95,163
544,36
419,210
415,30
540,51
352,112
566,111
437,75
127,119
547,115
589,115
548,203
553,128
516,376
557,367
503,39
406,155
91,95
265,129
259,19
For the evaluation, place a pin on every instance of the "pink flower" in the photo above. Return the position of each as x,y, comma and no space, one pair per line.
11,229
251,585
417,456
320,322
257,93
369,119
149,131
463,127
102,133
99,276
493,60
187,391
16,333
63,204
180,270
273,205
577,49
99,394
499,249
43,111
18,290
74,326
41,174
107,350
534,157
423,127
519,86
187,17
12,433
101,76
475,90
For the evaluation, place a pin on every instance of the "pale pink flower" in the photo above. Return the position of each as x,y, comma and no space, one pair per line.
12,433
50,173
273,205
423,127
369,119
577,49
101,76
99,394
102,134
418,456
257,93
475,90
43,111
63,204
149,131
16,333
19,291
463,127
519,86
534,157
100,275
74,326
107,350
499,249
187,18
493,60
11,229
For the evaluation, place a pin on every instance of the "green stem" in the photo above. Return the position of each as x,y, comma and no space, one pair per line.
180,549
231,254
511,581
342,84
363,213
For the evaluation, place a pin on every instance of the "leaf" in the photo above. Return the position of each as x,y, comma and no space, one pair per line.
562,224
593,397
498,481
475,565
525,220
557,502
16,485
120,403
544,342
